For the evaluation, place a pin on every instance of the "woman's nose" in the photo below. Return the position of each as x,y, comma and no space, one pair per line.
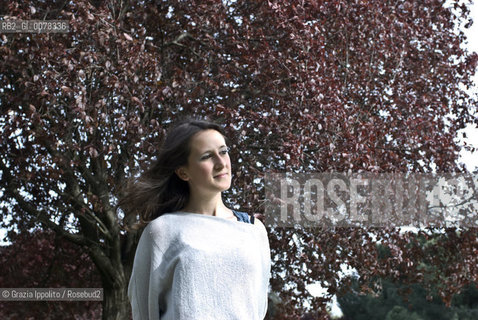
220,162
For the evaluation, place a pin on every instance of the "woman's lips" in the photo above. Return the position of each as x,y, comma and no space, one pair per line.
221,175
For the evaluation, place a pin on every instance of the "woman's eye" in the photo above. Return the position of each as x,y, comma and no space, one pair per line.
209,155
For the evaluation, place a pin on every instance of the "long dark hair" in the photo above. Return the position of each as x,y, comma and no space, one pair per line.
159,190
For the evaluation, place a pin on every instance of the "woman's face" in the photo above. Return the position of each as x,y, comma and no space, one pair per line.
209,166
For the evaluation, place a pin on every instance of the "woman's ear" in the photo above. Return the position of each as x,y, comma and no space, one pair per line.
182,174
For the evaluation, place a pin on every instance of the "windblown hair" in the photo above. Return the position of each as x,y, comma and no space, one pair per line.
159,190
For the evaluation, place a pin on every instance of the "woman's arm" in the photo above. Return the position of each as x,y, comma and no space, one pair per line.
144,286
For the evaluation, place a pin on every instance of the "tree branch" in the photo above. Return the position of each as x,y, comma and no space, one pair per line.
32,211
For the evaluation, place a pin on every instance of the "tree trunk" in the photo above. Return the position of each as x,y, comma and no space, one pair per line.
116,305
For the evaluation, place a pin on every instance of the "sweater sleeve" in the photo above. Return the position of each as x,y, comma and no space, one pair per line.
266,265
144,286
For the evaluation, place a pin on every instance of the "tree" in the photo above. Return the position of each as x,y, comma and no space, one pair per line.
422,283
311,86
406,301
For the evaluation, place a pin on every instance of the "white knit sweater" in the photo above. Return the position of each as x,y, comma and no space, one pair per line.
193,266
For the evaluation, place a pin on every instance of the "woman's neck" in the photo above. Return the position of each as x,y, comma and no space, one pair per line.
212,206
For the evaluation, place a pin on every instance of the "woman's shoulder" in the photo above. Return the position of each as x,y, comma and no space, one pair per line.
162,231
163,223
169,222
258,223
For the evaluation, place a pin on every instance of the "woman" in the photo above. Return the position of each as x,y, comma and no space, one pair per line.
196,259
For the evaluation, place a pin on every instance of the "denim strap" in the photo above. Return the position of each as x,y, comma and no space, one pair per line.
244,217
